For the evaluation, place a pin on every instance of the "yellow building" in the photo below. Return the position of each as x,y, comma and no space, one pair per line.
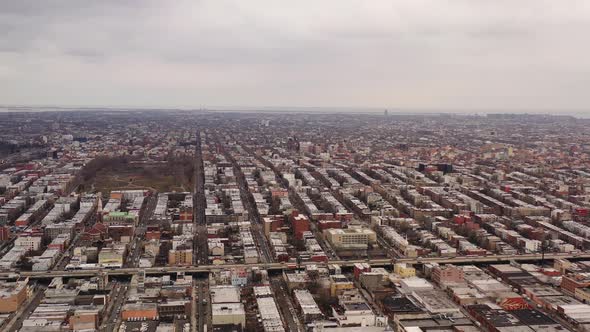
112,255
404,270
180,257
338,284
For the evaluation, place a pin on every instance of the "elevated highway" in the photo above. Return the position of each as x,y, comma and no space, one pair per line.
283,266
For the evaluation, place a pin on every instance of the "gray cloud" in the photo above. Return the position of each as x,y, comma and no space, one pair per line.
459,54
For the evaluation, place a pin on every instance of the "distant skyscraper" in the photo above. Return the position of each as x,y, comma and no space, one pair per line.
386,113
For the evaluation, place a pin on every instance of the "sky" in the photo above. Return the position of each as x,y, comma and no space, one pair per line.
415,54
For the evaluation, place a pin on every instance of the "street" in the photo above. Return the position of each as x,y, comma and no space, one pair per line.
202,286
285,305
248,201
112,319
136,248
199,204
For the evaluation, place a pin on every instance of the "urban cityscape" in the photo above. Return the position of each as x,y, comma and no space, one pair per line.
208,220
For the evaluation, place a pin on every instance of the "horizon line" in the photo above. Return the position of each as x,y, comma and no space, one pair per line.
305,109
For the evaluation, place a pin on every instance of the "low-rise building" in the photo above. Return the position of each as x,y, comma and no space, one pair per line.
139,311
447,274
308,307
13,295
228,314
404,270
350,238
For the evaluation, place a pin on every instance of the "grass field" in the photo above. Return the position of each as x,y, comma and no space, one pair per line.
116,174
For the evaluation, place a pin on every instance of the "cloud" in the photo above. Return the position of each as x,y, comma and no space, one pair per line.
459,54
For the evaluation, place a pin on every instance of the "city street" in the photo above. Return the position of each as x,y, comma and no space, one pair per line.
200,255
113,318
136,247
203,310
285,305
248,201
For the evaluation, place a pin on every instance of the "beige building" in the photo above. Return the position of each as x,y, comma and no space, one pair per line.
339,284
582,294
228,314
112,255
84,319
404,270
226,308
12,295
152,247
180,257
30,243
350,238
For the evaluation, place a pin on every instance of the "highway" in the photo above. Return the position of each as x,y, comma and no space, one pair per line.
283,266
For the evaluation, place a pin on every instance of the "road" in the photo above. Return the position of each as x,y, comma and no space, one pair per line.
282,266
194,300
148,211
248,201
284,303
112,319
202,307
201,250
64,257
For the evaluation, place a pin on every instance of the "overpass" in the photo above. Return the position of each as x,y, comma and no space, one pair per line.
489,259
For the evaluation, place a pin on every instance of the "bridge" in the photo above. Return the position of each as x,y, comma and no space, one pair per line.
489,259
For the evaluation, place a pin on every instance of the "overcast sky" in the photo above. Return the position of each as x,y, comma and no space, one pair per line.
414,54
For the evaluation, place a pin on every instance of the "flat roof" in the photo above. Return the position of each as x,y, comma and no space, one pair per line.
225,294
219,309
356,306
532,317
